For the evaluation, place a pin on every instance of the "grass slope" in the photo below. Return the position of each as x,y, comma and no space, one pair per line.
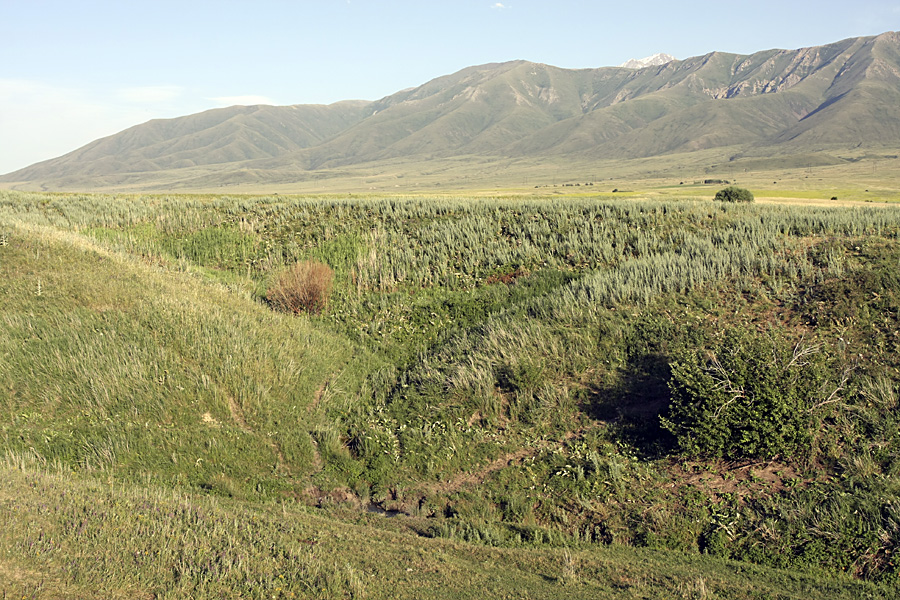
66,537
114,365
505,376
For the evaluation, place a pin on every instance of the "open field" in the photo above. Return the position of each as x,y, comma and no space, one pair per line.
575,394
859,175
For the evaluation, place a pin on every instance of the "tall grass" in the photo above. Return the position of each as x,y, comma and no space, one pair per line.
496,360
120,367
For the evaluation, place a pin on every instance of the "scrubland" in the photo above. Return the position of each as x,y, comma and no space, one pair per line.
513,396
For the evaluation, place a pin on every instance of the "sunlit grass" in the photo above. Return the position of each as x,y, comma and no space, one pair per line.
65,536
114,365
485,364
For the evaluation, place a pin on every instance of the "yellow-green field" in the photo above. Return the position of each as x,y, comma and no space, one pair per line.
849,174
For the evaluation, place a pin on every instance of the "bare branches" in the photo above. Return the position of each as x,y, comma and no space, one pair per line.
833,396
723,384
801,352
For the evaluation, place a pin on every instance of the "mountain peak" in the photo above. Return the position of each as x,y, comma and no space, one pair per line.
650,61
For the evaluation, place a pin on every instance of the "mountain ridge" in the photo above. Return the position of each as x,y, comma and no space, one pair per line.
841,94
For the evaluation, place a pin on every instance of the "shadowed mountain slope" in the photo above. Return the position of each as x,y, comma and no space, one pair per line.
775,101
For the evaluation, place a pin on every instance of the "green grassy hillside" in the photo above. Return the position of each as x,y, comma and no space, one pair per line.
225,135
68,537
597,396
114,365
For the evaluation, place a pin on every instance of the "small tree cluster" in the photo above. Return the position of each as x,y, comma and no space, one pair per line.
304,287
734,194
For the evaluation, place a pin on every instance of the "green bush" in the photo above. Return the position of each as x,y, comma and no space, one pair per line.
734,194
751,396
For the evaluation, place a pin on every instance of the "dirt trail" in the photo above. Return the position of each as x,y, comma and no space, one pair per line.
468,478
471,478
281,463
317,462
744,478
317,396
237,415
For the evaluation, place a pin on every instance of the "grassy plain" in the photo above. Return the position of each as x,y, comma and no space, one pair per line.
861,174
478,410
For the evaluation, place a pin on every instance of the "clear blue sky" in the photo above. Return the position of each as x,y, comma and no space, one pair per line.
72,71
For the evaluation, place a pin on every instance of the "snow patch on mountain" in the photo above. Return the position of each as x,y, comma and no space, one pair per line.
650,61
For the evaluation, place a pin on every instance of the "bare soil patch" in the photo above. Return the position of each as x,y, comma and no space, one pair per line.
741,478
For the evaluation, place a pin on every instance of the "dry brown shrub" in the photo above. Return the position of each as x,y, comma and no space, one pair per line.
304,287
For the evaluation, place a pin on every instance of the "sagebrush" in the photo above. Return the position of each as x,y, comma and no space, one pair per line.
303,287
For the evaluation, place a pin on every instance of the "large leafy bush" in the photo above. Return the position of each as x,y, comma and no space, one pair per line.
750,395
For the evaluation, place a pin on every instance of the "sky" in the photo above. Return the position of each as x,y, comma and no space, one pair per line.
74,71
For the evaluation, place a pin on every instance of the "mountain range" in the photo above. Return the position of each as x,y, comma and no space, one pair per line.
774,102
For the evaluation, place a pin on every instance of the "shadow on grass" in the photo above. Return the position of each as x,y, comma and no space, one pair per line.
632,405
